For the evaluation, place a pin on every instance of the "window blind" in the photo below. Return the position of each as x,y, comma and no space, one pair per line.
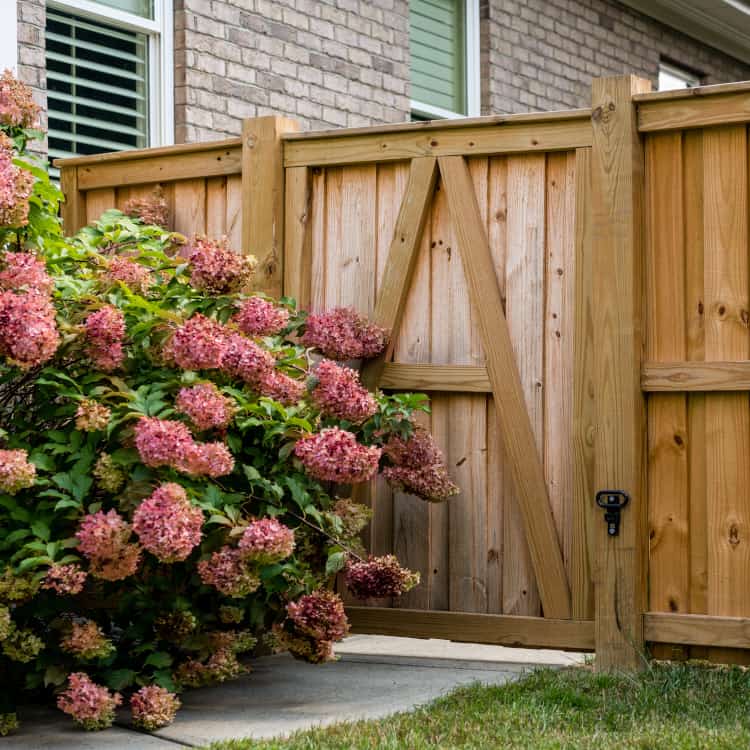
437,47
97,86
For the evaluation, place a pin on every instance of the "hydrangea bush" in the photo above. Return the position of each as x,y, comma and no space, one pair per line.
176,457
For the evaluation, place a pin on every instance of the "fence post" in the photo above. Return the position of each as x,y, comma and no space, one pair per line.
74,207
616,205
263,198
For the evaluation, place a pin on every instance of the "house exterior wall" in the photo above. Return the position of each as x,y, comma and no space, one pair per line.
345,63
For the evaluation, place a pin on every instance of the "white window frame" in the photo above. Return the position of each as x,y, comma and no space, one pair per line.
160,34
690,79
473,75
9,35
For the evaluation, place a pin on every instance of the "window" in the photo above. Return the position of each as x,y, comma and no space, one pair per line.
109,75
444,47
674,77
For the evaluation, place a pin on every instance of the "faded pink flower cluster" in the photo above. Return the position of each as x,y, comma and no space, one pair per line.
92,706
228,571
92,416
28,333
17,106
259,317
16,185
24,271
338,393
204,344
314,623
378,577
221,666
150,210
167,525
129,272
206,406
153,707
216,268
334,455
65,579
86,641
16,471
104,540
342,333
266,541
419,467
165,442
105,331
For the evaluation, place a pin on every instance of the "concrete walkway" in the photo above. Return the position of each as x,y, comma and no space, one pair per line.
375,676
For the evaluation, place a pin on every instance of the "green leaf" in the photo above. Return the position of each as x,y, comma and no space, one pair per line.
163,678
119,679
41,529
159,659
55,675
335,563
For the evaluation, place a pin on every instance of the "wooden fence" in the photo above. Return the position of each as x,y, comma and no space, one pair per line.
573,291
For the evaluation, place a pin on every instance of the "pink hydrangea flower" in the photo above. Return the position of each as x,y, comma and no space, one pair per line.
17,106
153,707
418,451
334,455
163,442
206,406
24,271
16,471
103,539
320,615
266,541
92,706
167,525
91,416
280,387
337,393
16,185
198,344
342,333
430,482
105,331
210,460
222,665
129,272
378,577
228,572
28,333
216,268
65,579
245,360
86,641
150,210
259,317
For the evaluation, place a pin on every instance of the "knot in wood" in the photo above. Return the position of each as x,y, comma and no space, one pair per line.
251,141
734,535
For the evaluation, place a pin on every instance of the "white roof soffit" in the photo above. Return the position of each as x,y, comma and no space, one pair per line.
723,24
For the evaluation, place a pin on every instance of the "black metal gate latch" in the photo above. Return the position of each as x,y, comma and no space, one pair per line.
612,501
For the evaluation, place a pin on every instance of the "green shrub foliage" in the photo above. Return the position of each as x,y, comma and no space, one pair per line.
176,457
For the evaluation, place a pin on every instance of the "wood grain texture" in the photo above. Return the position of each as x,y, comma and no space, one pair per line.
668,494
695,376
263,198
585,520
472,140
616,190
74,208
519,438
298,235
503,630
399,376
190,207
691,111
402,258
234,211
97,202
697,630
216,207
727,414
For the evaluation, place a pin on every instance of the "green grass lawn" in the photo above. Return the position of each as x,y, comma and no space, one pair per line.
676,706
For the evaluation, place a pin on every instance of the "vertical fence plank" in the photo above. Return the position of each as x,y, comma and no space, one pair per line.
216,207
727,414
74,208
298,235
584,416
190,207
668,502
263,196
234,211
319,238
696,350
617,184
98,201
524,291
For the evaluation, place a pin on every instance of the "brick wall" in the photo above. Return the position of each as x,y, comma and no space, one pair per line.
542,54
31,66
327,64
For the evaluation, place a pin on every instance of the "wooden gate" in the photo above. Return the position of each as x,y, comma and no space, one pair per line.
468,241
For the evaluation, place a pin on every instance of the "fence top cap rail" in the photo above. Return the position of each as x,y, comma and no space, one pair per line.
428,125
148,153
713,90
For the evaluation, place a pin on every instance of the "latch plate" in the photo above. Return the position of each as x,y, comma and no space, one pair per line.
612,502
